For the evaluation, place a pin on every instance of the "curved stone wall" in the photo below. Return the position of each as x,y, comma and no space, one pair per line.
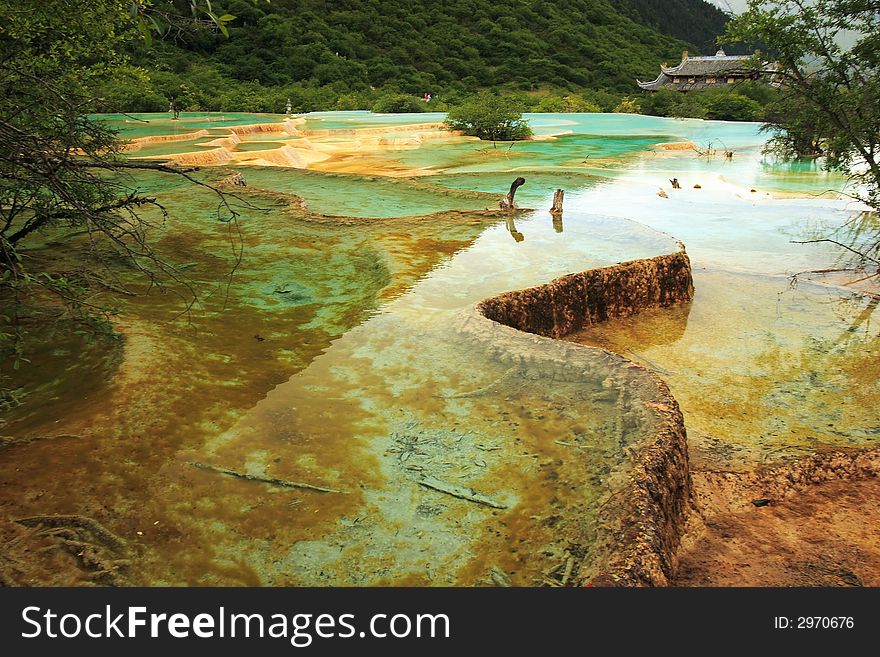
568,304
640,523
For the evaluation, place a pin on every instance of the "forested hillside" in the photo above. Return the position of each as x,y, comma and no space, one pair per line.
343,50
694,21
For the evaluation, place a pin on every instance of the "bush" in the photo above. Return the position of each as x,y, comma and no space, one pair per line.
398,104
732,107
436,106
628,106
692,105
565,105
724,104
757,90
665,102
550,105
587,107
580,105
348,102
490,116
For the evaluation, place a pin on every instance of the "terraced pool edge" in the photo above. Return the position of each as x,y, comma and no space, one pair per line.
642,520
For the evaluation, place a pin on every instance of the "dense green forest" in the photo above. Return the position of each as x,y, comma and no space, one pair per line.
346,54
696,22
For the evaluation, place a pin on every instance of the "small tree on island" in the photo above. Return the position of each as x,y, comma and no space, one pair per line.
398,104
491,117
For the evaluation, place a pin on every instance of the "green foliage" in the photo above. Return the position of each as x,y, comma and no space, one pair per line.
802,133
580,104
153,18
828,105
735,103
829,101
605,100
490,116
315,49
398,104
758,90
565,104
666,102
693,105
61,173
49,62
550,105
628,105
697,22
348,102
732,107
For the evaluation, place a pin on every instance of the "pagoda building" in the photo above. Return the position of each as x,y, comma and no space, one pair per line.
699,73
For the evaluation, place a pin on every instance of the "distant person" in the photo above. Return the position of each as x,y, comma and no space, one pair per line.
675,183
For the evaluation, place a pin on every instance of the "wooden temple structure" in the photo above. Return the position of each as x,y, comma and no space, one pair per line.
699,73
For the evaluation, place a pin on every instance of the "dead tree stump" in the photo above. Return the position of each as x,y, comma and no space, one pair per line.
507,202
558,195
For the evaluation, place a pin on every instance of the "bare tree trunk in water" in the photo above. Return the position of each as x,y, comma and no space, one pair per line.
507,202
558,195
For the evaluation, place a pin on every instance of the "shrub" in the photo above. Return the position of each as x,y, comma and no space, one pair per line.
566,104
628,105
347,102
550,104
665,102
580,105
587,106
605,100
490,116
692,105
732,107
398,104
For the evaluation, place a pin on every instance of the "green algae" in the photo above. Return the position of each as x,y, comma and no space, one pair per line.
366,196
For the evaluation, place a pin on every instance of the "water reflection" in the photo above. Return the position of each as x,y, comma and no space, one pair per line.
511,228
557,222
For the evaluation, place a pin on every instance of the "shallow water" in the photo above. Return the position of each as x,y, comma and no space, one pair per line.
335,356
366,196
132,126
370,411
762,371
402,398
575,147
